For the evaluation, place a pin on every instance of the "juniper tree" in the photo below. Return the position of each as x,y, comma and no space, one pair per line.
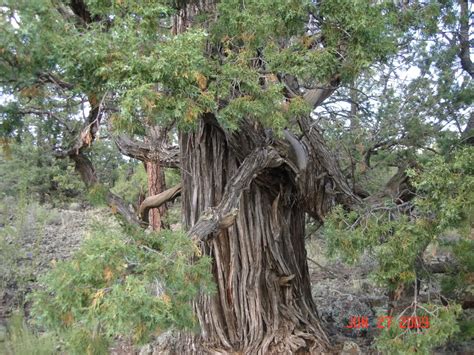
223,75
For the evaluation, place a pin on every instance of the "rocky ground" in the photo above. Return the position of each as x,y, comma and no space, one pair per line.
31,242
341,292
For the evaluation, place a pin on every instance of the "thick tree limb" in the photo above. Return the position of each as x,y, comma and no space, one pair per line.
86,170
118,205
132,147
84,167
157,200
398,189
223,216
169,156
323,184
316,96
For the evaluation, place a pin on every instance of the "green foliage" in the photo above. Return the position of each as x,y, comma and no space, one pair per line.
442,325
446,188
254,23
370,33
457,284
172,177
160,78
178,65
131,182
134,285
444,200
466,328
26,168
21,340
97,194
107,161
226,63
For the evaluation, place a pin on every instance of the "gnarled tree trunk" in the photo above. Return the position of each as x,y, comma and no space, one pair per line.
263,304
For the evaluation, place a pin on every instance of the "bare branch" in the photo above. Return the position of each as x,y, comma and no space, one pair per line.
169,156
156,201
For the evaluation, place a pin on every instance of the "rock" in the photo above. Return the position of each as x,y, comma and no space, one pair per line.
146,350
75,206
350,348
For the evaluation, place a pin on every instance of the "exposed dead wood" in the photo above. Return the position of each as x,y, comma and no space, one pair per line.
89,130
247,215
323,184
84,167
316,96
158,200
224,214
169,156
301,156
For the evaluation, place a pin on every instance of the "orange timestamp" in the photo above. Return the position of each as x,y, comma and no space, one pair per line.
404,322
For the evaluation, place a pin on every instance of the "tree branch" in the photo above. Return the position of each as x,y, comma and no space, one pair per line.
316,96
323,184
87,172
156,201
52,79
398,188
169,156
223,216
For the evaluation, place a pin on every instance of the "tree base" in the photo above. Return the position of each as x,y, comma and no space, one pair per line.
287,340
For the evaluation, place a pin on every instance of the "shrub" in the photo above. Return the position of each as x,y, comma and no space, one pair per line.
133,284
21,340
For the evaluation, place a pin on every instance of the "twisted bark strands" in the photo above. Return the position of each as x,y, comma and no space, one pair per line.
224,214
264,303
